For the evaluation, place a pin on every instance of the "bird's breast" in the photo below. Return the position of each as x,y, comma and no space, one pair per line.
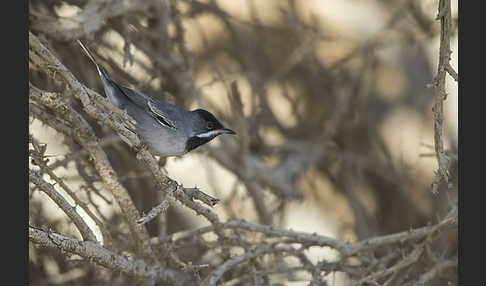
164,141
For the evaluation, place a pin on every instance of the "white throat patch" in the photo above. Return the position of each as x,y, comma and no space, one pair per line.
209,134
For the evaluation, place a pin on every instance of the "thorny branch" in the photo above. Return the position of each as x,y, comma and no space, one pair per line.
444,67
63,204
37,155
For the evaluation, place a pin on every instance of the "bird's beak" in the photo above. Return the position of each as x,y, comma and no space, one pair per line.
227,131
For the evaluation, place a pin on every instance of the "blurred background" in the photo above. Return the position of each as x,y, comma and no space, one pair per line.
333,115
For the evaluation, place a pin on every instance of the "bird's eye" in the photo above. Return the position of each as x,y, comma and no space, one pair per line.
209,125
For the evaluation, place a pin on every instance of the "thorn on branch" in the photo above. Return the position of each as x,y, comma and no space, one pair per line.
442,10
161,208
450,70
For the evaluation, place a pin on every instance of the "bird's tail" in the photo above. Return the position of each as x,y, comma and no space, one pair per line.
100,69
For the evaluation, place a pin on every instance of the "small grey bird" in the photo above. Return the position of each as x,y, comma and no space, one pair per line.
167,129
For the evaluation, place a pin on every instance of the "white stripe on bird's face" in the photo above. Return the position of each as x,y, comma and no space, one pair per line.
211,133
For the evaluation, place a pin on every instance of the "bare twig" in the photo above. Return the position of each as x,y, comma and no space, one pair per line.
437,269
408,260
450,220
157,210
218,273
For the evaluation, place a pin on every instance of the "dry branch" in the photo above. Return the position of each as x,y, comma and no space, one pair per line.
89,20
444,15
432,273
37,157
96,253
69,210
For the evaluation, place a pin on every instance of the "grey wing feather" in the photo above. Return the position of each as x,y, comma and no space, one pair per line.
161,117
136,97
149,105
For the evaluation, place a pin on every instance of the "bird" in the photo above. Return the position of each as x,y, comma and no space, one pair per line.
166,129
